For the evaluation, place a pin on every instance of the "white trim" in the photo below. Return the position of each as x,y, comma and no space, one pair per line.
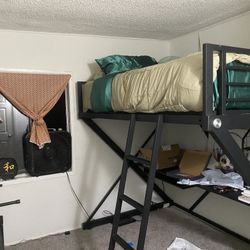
26,178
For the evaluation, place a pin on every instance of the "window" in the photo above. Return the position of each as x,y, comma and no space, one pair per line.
56,118
14,125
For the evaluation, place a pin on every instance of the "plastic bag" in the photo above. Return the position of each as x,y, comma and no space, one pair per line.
181,244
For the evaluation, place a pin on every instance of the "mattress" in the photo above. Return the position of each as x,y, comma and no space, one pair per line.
173,86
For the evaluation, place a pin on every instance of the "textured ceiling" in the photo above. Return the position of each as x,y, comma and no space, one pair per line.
160,19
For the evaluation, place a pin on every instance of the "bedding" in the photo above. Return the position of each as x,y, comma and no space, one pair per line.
172,86
168,59
234,91
119,63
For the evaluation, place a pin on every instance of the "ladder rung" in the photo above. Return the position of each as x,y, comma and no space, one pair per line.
138,160
122,242
132,202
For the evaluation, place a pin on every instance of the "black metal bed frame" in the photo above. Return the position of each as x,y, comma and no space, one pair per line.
215,122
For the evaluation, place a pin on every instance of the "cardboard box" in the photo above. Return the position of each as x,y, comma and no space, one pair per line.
169,156
194,162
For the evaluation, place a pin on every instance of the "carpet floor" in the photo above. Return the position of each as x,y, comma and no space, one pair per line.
164,226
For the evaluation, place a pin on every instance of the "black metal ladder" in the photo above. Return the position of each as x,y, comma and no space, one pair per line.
144,209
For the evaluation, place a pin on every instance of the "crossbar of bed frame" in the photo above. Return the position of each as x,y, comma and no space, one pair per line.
215,122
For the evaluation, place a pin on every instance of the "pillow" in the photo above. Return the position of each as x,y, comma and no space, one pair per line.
168,59
119,63
97,74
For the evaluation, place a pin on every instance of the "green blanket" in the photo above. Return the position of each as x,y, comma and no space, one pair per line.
101,95
235,92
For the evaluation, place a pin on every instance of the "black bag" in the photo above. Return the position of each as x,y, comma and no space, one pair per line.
54,157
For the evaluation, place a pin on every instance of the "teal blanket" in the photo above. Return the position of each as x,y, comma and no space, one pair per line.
101,95
235,92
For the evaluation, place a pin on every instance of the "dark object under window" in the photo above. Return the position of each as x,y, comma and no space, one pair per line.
54,157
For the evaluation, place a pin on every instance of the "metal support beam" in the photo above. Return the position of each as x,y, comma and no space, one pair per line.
124,215
199,200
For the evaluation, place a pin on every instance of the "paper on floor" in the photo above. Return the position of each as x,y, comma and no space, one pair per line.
182,244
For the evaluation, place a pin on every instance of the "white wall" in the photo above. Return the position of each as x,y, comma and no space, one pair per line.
47,204
234,32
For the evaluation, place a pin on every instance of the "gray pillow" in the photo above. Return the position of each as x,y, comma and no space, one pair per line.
167,59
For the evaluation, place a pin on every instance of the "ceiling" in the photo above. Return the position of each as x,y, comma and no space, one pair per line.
159,19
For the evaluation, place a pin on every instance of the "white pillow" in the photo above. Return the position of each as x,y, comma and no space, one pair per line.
167,59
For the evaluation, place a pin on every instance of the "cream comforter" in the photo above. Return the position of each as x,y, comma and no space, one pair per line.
173,86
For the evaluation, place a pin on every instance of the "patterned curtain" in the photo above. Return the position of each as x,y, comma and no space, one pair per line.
34,95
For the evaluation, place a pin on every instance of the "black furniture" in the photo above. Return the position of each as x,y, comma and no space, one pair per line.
216,123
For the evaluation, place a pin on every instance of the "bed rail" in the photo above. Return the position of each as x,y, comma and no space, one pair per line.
230,119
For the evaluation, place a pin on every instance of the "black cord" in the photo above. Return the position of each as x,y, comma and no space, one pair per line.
76,197
243,140
107,213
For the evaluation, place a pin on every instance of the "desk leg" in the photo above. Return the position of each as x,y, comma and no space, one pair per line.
1,234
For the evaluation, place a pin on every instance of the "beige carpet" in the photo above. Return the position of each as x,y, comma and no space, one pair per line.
164,226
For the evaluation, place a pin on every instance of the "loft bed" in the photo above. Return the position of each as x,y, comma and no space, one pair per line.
217,117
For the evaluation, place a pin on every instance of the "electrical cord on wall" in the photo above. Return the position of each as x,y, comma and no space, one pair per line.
76,197
107,213
244,146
